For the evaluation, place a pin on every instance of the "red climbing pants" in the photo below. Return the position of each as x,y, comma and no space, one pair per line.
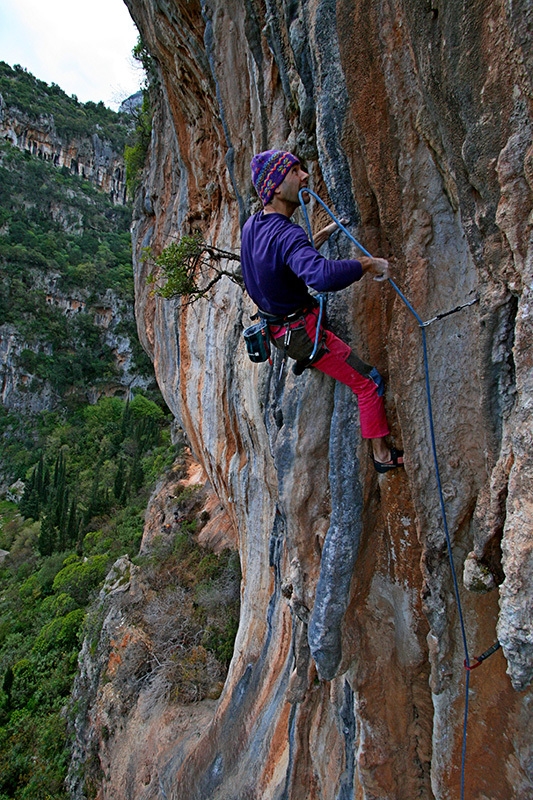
336,359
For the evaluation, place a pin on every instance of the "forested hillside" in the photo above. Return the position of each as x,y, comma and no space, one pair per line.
84,431
65,266
85,437
67,330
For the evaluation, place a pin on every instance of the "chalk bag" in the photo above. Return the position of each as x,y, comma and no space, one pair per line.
257,342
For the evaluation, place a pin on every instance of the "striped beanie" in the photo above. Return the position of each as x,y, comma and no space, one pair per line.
269,170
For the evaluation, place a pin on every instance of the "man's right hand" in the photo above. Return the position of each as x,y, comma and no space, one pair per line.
379,267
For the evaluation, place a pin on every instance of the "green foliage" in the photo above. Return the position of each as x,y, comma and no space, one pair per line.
141,408
56,229
21,90
142,56
136,153
220,637
96,463
43,598
39,642
63,633
88,470
136,150
190,268
178,263
32,766
55,221
80,579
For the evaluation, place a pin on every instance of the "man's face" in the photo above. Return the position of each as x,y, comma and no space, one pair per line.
294,180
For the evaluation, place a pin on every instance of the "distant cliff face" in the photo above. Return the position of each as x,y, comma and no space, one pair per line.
24,390
66,305
415,121
92,157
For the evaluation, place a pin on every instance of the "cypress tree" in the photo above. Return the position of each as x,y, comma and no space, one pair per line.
36,492
39,478
73,523
47,536
43,481
126,489
29,502
62,509
137,473
118,485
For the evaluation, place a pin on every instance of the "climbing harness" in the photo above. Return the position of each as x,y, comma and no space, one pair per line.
258,337
301,365
422,325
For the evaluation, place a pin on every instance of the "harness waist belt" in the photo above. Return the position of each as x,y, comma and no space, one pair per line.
283,319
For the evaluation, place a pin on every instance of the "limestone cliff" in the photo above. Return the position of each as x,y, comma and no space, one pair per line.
91,157
24,391
414,118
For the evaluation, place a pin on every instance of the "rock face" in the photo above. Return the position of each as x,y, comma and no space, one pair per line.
414,119
142,666
22,391
92,158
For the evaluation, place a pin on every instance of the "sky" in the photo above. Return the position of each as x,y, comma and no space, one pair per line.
82,45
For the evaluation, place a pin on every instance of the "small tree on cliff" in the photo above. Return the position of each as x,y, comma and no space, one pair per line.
190,268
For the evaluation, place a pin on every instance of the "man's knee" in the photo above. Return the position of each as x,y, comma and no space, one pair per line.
367,371
359,365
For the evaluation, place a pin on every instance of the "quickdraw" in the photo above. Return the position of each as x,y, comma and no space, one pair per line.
480,659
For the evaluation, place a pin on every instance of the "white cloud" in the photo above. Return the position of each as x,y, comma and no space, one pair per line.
84,47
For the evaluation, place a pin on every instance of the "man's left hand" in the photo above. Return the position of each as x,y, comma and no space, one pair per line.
323,235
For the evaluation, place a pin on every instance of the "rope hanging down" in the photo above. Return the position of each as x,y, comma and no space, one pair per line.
422,325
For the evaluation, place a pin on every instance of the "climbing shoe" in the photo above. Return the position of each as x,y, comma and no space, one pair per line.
385,466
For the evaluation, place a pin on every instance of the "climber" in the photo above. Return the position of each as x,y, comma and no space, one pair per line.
279,263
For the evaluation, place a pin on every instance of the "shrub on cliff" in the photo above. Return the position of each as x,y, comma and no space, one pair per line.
136,150
190,268
135,153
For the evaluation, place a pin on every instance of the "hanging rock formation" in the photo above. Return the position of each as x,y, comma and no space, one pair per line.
414,118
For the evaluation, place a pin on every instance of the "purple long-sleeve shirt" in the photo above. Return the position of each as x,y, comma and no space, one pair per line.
279,263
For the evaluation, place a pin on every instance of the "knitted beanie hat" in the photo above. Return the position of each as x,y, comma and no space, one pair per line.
269,170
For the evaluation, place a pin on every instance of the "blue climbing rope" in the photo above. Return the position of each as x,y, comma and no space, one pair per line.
321,303
422,326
